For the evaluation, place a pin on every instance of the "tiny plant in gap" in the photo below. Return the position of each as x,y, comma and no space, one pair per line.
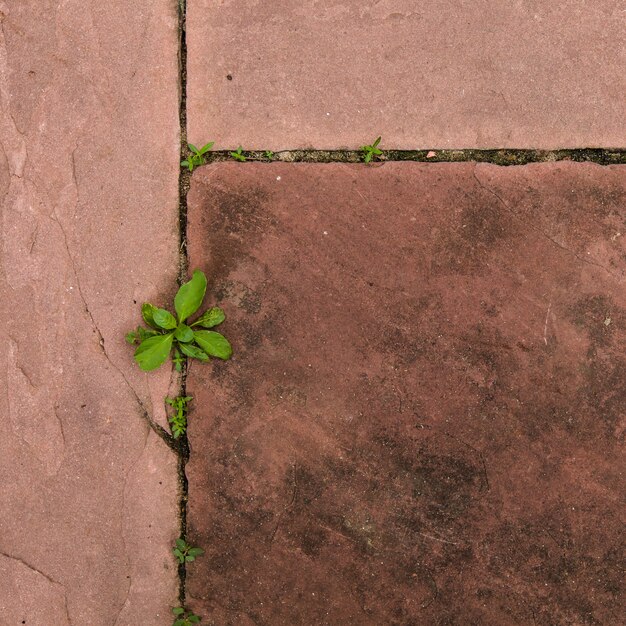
269,155
186,553
184,618
167,334
369,152
178,421
197,156
238,154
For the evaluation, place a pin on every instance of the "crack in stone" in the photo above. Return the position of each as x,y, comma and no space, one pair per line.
538,230
74,178
25,375
56,413
55,218
46,576
159,430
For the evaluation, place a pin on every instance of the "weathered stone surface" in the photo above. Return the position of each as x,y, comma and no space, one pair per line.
438,74
420,424
88,181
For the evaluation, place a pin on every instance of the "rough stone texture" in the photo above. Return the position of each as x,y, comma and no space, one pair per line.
88,181
422,419
438,74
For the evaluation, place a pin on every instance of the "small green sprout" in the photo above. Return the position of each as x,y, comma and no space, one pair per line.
185,553
197,156
184,618
370,151
166,333
178,421
238,154
269,155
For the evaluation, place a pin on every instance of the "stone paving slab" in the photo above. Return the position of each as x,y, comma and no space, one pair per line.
88,181
421,421
462,74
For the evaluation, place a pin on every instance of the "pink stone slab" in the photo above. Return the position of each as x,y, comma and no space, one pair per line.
423,417
88,182
438,74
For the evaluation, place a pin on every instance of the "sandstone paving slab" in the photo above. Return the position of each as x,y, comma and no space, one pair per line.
422,419
439,74
88,181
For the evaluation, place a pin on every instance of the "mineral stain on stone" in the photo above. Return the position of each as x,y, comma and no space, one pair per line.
422,419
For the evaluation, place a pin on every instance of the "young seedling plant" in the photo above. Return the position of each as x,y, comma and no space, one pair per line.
269,155
184,618
369,152
186,553
178,421
238,154
197,156
167,334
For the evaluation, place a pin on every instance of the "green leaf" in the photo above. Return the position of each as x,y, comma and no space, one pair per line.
190,559
193,148
146,333
153,352
131,337
195,552
164,319
376,142
194,352
214,344
180,622
210,318
238,154
207,147
178,610
177,359
180,543
190,296
183,333
147,312
193,619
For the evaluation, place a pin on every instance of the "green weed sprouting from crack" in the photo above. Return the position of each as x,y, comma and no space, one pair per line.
197,155
186,553
238,154
167,334
183,617
178,421
371,151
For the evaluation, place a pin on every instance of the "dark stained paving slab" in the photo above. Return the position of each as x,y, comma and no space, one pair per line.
423,417
438,74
